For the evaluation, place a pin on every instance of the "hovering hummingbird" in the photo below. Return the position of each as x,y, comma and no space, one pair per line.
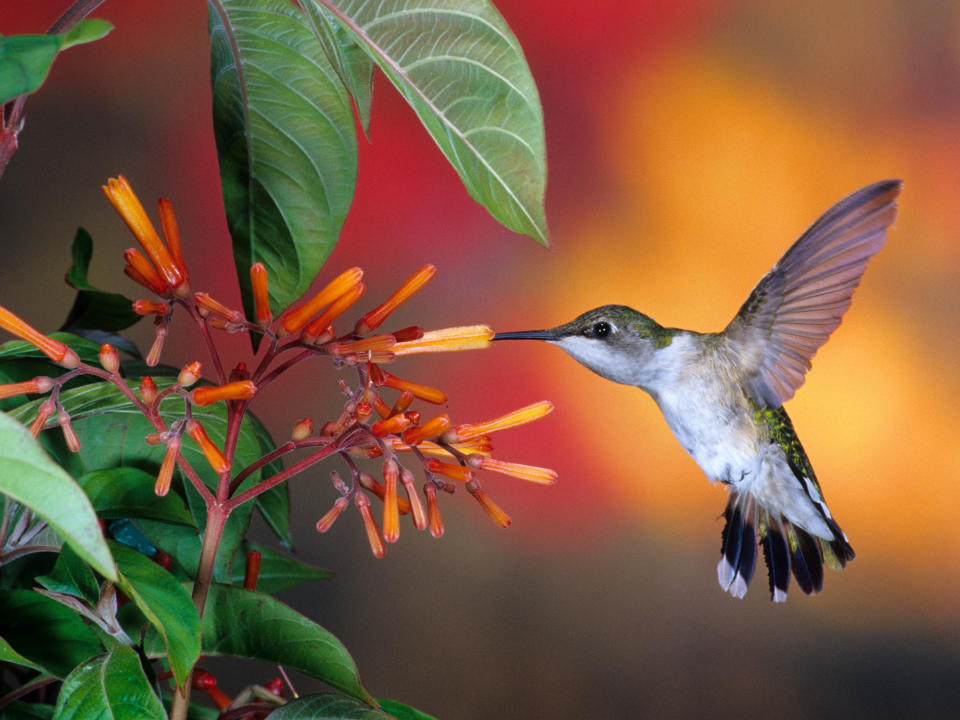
722,394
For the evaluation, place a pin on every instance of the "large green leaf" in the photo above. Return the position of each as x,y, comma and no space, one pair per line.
127,492
403,712
244,623
29,476
286,143
25,60
112,685
464,73
165,603
327,706
27,711
72,576
46,633
93,309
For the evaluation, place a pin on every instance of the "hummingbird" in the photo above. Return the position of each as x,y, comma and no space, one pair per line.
722,393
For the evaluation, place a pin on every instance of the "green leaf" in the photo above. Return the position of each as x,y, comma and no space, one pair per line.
94,309
25,60
46,633
403,712
9,655
286,143
30,477
327,706
244,623
165,604
127,492
352,64
27,711
464,74
112,685
87,350
71,575
278,571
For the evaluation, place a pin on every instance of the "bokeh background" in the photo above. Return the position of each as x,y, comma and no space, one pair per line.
689,144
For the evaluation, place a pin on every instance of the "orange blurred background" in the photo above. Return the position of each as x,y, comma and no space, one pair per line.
688,145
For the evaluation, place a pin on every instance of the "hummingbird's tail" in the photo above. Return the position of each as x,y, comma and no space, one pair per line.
785,546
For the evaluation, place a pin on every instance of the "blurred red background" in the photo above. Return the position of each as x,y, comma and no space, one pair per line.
688,145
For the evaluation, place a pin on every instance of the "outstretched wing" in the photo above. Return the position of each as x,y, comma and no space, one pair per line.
794,308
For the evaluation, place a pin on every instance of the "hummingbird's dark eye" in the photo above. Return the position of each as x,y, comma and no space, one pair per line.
601,329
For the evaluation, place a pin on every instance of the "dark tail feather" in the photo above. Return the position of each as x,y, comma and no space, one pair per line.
738,550
805,559
777,558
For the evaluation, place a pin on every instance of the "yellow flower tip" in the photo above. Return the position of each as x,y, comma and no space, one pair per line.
261,295
239,390
326,522
210,451
416,507
164,477
190,374
512,419
450,470
341,285
433,510
424,392
391,509
530,473
302,430
495,512
69,434
431,429
469,337
148,390
373,319
44,412
373,532
127,205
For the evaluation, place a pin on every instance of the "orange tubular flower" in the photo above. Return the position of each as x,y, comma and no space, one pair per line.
424,392
53,349
372,320
69,434
150,307
370,344
44,412
171,233
530,473
470,337
109,359
251,570
216,459
513,419
373,532
367,482
125,202
326,522
391,510
433,510
490,507
416,508
339,286
153,357
449,470
39,384
431,429
240,390
165,475
315,328
392,425
261,296
207,306
151,282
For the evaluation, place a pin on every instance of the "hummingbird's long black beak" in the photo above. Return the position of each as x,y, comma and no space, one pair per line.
528,335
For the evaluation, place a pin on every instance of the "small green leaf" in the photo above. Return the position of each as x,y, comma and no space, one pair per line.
9,655
71,575
112,685
25,60
46,633
464,74
30,477
165,603
403,712
244,623
94,309
127,492
286,143
327,706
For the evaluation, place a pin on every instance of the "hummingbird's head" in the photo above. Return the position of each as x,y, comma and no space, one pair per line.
614,341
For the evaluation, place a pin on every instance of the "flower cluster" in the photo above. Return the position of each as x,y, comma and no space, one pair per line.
379,422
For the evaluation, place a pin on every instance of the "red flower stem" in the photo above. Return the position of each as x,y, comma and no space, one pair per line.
279,451
283,367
